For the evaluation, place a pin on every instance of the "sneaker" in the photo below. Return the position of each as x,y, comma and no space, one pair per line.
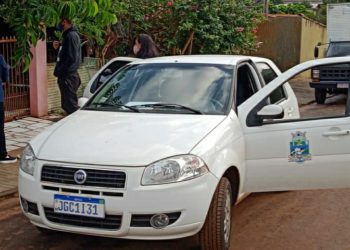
8,159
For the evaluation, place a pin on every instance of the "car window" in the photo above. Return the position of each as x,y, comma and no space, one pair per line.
246,84
106,74
338,49
202,87
268,75
335,104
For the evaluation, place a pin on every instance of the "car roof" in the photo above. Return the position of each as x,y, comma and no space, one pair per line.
124,58
205,59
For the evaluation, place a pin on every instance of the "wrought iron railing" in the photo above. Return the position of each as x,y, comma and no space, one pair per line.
17,102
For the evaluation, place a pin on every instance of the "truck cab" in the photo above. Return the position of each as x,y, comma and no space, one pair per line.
331,79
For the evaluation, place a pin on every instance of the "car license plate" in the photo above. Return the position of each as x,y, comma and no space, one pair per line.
75,205
342,85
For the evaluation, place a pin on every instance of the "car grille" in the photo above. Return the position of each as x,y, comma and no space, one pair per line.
96,178
335,74
110,222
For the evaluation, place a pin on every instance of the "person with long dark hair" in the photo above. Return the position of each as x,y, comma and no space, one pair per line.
144,47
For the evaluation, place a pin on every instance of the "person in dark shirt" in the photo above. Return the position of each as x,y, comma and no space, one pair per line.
144,47
4,75
68,62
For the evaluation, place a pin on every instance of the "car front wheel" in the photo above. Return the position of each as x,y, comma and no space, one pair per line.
216,232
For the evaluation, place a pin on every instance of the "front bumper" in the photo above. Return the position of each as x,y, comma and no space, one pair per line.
329,85
190,198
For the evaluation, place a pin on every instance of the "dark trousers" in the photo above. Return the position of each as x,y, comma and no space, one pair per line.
3,151
68,87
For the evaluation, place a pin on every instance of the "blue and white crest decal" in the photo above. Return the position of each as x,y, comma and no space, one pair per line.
299,148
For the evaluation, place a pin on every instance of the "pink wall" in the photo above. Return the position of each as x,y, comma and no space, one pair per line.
38,81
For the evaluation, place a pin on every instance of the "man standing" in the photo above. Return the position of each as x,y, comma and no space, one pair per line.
68,62
4,75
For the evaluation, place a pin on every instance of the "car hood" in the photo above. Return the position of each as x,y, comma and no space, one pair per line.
122,139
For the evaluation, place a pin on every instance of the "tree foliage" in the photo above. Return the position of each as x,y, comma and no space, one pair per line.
185,27
29,18
178,27
188,26
295,8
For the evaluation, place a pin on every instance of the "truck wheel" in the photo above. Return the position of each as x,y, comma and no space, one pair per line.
320,96
216,231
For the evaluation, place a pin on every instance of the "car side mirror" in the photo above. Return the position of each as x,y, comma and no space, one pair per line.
82,101
316,52
271,111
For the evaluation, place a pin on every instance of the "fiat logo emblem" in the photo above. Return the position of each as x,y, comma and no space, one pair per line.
80,176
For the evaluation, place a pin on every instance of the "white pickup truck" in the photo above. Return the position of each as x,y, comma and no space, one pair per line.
167,145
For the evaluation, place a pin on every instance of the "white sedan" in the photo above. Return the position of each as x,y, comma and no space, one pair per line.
167,145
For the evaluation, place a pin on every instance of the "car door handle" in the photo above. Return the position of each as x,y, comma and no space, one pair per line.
337,133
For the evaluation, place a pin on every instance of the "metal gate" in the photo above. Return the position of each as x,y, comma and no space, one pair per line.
17,88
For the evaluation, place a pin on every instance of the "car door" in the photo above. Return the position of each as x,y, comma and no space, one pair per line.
284,94
105,73
292,154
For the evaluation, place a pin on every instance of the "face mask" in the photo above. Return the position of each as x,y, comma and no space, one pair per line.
60,27
136,49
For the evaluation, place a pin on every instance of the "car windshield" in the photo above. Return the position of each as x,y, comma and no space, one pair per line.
338,49
167,88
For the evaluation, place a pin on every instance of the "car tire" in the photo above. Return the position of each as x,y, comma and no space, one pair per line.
216,231
320,96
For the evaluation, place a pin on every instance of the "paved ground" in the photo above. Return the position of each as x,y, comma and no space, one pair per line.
18,133
334,105
301,88
305,220
9,175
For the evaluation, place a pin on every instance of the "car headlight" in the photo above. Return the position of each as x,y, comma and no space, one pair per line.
28,160
174,169
315,75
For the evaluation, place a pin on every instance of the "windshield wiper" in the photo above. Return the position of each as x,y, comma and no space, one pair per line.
107,104
171,106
